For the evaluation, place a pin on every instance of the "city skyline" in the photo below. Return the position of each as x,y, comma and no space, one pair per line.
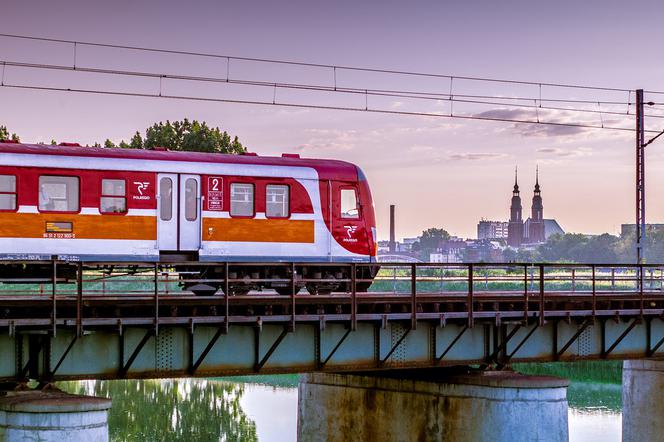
439,172
528,237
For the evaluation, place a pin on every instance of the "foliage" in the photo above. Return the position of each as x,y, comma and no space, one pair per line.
521,255
595,384
5,135
575,247
166,410
183,135
605,248
429,241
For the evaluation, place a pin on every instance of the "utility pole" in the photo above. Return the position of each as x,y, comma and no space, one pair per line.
393,244
640,181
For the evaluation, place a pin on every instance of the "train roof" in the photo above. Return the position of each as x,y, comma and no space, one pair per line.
327,169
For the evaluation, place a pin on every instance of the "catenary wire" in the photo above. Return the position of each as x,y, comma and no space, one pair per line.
315,65
347,90
326,107
436,95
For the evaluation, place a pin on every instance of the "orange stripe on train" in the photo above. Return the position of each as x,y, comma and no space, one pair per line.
258,230
34,225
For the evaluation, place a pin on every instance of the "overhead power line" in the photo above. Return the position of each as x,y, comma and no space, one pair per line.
318,65
328,107
438,97
528,104
345,89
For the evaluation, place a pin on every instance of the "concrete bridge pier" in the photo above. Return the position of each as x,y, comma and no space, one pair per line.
643,413
52,416
418,406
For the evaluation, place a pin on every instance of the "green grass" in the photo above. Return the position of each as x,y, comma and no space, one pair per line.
279,381
605,372
595,385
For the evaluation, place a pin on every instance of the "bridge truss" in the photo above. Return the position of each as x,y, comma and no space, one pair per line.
80,320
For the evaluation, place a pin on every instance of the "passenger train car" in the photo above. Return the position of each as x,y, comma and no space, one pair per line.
84,203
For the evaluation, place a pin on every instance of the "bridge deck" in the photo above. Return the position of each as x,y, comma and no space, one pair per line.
136,319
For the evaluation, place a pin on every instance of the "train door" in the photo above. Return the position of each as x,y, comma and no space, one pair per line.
348,225
190,212
167,208
178,205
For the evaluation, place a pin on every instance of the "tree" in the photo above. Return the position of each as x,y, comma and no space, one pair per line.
521,255
4,134
185,135
136,141
576,247
429,241
188,136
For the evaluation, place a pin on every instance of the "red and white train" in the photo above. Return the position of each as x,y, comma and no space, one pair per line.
85,203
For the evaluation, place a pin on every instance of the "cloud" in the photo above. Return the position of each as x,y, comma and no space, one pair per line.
330,139
547,130
421,148
506,114
552,123
566,153
475,156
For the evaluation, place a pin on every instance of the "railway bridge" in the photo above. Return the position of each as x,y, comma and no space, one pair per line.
109,320
137,320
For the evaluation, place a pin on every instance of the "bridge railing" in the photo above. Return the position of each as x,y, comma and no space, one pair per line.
53,294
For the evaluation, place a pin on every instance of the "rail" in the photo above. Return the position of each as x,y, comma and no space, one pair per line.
84,295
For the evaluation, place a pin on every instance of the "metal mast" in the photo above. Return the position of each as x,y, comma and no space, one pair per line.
640,181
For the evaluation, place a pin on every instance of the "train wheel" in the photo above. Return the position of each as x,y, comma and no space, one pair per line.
202,289
318,289
240,290
286,291
363,286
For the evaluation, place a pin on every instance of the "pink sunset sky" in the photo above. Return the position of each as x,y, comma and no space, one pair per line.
439,172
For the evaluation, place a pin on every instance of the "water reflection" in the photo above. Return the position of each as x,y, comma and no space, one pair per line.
265,407
168,410
594,425
594,397
591,397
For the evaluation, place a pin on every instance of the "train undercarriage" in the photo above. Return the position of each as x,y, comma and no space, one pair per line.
210,279
284,280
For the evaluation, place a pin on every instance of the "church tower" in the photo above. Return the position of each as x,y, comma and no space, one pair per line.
536,226
515,226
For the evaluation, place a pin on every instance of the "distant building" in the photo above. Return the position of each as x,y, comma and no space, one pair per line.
483,251
551,227
515,225
383,247
536,229
630,229
407,244
449,250
404,247
535,232
437,257
492,229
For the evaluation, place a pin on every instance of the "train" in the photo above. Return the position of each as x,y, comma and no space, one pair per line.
77,203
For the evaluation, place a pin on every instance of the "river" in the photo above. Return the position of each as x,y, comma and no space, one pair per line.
264,408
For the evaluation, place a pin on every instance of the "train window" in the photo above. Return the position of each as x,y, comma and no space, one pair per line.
58,194
7,192
242,199
349,208
166,199
277,201
191,199
113,196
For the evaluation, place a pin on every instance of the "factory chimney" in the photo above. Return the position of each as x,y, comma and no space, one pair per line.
393,244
